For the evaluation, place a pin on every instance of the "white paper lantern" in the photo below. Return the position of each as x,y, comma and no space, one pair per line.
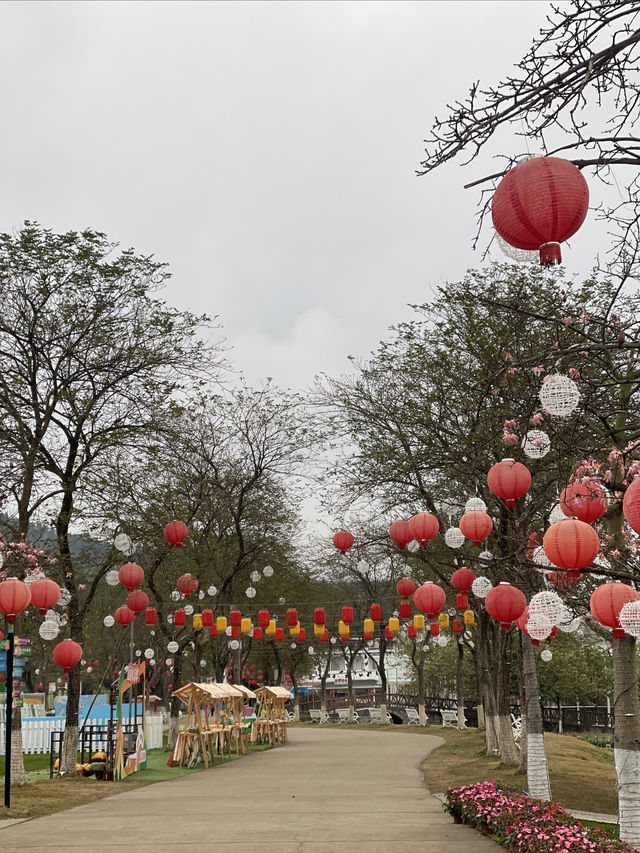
175,595
149,653
112,578
48,630
153,633
138,653
536,444
549,605
413,546
481,587
201,594
442,640
234,644
108,621
486,556
203,663
362,566
282,600
52,616
629,618
333,641
152,662
172,646
123,543
229,630
250,592
255,576
169,661
425,648
212,590
559,395
294,646
475,503
188,609
312,651
546,655
454,537
89,669
83,662
268,571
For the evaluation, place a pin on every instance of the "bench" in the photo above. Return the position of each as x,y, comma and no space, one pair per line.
343,715
316,715
413,718
375,715
516,728
450,718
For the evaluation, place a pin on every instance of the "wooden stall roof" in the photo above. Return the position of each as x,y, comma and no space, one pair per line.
203,691
231,691
274,692
248,694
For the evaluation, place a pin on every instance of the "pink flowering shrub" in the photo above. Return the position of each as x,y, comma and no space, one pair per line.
525,825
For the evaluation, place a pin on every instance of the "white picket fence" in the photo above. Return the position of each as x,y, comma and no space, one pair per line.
36,734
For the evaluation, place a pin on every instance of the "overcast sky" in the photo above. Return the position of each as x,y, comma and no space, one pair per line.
265,150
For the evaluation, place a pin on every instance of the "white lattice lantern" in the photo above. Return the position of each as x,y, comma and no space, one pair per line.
559,395
31,577
520,256
149,653
123,543
454,537
536,444
212,590
255,576
570,626
413,546
234,645
108,621
112,578
172,646
540,558
546,655
549,605
481,587
188,609
475,503
268,571
48,630
539,627
629,618
250,592
487,556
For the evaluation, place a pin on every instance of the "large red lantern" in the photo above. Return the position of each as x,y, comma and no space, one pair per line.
585,499
376,612
425,526
343,540
137,600
476,525
264,617
67,654
319,616
505,603
631,504
405,587
124,616
150,616
176,532
45,593
463,579
509,480
131,575
14,597
187,584
608,600
539,204
571,544
401,532
430,599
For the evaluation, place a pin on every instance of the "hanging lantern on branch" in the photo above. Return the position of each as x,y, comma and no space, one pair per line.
586,499
475,503
454,537
319,616
67,654
131,575
539,204
175,533
124,616
45,594
137,601
476,525
187,584
629,618
571,545
536,444
405,609
401,532
180,618
418,622
292,618
405,587
394,624
264,618
559,395
430,599
481,586
505,604
376,612
631,505
424,526
150,616
343,540
607,602
347,615
509,480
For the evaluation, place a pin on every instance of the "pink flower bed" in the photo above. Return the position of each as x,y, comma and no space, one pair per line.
525,825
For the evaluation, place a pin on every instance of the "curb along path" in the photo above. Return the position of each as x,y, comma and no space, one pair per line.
326,790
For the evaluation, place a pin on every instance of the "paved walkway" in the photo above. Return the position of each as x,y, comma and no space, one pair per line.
326,790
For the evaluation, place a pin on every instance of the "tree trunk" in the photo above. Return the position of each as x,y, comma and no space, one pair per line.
422,714
18,775
350,691
323,699
382,672
533,736
509,752
479,692
626,737
69,758
460,686
174,707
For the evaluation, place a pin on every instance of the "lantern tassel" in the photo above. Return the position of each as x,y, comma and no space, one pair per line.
550,254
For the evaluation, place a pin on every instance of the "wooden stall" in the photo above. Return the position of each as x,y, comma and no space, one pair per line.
271,717
207,730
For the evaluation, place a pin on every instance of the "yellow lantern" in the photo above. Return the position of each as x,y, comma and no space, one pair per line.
270,630
369,626
245,625
469,618
443,620
418,622
294,630
394,624
221,624
197,621
318,630
343,629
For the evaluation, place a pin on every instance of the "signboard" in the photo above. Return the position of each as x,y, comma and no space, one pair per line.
125,764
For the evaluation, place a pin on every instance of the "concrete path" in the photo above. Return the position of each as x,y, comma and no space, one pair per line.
326,790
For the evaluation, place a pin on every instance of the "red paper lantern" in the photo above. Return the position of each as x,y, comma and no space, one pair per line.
571,544
207,618
462,601
405,587
279,636
387,633
213,631
150,616
175,533
292,618
124,616
343,540
45,593
608,600
367,637
137,600
347,615
456,626
264,617
505,603
586,499
14,597
236,633
463,579
429,598
187,584
376,612
324,638
319,616
67,654
405,609
302,636
401,532
424,526
411,632
235,618
509,480
476,525
257,633
131,575
539,204
631,505
434,629
180,618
